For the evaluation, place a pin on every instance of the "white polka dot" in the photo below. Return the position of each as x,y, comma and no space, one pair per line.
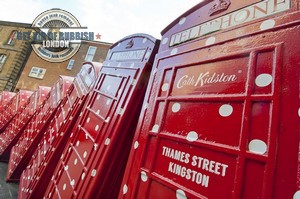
225,110
297,195
144,176
125,189
174,51
182,20
263,80
180,194
136,145
147,55
176,107
97,112
192,136
144,40
72,182
98,97
64,187
165,87
210,41
258,146
299,112
88,120
82,176
75,161
84,154
66,168
97,127
155,128
165,40
94,172
77,143
265,25
107,141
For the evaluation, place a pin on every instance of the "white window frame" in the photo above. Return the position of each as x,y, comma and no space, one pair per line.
37,72
71,64
12,38
90,54
2,60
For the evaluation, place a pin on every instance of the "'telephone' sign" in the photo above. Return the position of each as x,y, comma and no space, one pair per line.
247,14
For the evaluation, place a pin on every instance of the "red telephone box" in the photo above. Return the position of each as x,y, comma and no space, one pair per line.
17,125
37,175
15,105
223,109
26,139
5,97
93,163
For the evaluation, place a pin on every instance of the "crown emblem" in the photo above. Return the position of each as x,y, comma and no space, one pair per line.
130,44
219,6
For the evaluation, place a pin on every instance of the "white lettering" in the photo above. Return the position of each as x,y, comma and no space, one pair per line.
56,44
259,10
205,78
127,55
209,165
184,172
176,154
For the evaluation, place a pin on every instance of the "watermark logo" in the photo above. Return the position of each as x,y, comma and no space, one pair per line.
57,35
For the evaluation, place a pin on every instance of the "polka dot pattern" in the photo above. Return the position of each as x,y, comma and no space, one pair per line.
176,107
258,146
182,21
165,40
136,145
174,51
93,173
180,194
192,136
268,24
297,195
165,87
155,128
225,110
144,176
210,41
125,189
263,80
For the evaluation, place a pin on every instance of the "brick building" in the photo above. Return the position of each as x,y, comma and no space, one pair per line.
13,53
40,72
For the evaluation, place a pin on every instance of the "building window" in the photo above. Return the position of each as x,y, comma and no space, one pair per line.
12,38
37,72
2,61
90,53
71,64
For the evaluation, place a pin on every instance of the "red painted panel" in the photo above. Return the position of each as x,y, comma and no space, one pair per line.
55,138
19,122
15,106
16,142
222,111
5,97
100,144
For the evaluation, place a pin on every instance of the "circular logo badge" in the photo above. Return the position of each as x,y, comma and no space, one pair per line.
53,41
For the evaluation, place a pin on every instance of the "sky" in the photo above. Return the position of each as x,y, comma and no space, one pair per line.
112,19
